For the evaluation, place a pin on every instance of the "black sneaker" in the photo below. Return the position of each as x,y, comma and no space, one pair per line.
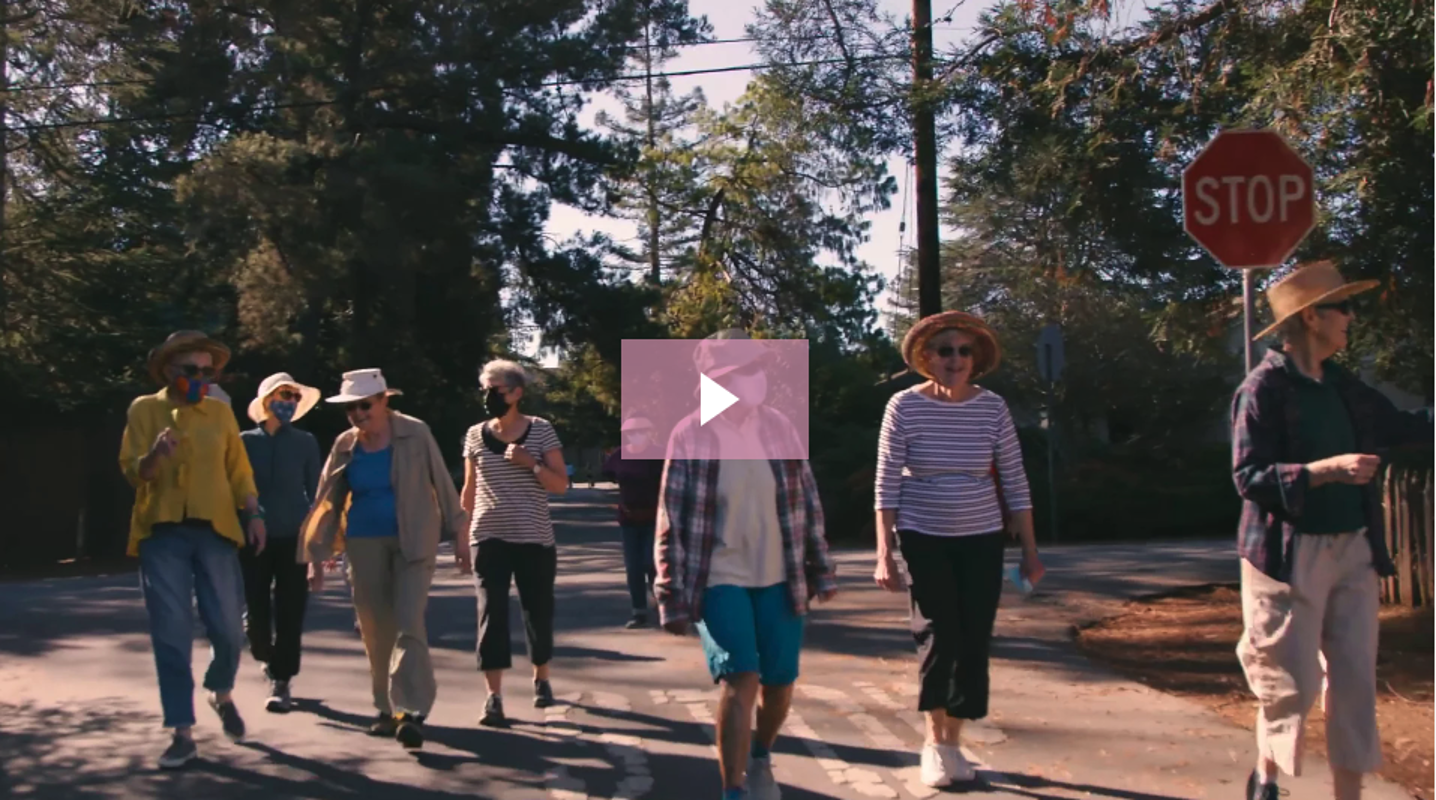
494,713
383,725
180,752
409,730
1261,791
543,694
279,701
229,718
638,620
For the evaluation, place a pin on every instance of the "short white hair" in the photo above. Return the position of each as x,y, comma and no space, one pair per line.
510,373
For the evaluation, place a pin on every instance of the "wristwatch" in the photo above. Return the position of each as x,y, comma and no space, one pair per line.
537,467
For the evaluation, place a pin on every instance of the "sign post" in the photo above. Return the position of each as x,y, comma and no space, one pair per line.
1249,199
1051,358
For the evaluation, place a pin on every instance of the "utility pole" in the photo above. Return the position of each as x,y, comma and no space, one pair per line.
4,154
929,284
655,268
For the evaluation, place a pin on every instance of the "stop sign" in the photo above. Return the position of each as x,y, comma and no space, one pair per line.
1248,199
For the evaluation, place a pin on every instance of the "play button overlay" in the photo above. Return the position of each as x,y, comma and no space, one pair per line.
727,396
712,399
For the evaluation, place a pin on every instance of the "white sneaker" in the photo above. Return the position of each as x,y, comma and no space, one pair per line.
958,766
934,771
761,783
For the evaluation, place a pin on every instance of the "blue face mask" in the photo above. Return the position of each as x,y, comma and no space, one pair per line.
283,410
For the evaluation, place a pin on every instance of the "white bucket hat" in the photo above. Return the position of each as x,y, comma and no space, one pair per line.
361,384
635,424
308,395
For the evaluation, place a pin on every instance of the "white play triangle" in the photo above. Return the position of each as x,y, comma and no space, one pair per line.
712,399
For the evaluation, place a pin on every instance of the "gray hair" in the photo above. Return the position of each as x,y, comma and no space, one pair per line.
1292,329
509,373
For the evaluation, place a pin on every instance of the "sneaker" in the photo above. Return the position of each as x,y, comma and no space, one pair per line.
229,718
761,783
638,620
383,725
180,752
494,713
1256,790
279,701
409,731
543,694
933,769
958,765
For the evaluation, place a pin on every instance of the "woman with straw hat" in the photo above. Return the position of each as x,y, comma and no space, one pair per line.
286,464
384,498
1306,434
940,507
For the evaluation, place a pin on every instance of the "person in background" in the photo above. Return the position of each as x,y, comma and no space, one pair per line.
637,467
384,498
512,463
741,554
1306,434
286,464
940,507
568,471
182,452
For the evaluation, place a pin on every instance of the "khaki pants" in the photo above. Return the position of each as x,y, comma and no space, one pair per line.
390,597
1315,636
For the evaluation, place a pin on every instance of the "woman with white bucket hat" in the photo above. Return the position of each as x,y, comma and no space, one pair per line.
286,464
384,498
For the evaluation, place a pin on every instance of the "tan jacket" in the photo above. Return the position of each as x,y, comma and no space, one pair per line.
424,495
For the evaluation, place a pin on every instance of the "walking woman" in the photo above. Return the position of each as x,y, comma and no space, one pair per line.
383,498
638,470
939,506
512,463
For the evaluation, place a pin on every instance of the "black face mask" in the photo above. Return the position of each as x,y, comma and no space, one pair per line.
495,405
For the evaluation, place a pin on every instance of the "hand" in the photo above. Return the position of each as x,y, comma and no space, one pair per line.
824,597
332,565
165,444
257,534
887,574
1031,567
316,577
1354,468
463,556
677,627
518,454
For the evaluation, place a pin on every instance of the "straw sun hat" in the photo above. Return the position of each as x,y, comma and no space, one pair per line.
1306,286
984,340
184,342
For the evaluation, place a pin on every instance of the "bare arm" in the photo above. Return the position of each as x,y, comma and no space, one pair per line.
552,473
466,497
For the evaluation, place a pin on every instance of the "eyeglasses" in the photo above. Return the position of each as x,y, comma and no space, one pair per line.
947,351
286,394
193,371
1344,307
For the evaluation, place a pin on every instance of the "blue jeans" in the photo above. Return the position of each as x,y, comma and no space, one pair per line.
638,562
179,565
751,630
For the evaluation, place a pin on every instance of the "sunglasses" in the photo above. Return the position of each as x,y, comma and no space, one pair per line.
1344,307
947,351
358,405
192,371
286,394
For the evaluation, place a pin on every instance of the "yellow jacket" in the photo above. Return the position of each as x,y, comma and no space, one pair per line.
208,477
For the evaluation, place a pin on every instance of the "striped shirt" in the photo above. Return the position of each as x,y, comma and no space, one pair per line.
935,464
509,502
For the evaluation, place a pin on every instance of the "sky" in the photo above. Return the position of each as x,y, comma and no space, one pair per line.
728,19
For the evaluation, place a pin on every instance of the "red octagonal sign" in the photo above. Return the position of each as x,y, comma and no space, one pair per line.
1248,198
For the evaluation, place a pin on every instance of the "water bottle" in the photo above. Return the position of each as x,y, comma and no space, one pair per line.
1014,574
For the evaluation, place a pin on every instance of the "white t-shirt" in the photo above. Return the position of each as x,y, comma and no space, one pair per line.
748,547
509,502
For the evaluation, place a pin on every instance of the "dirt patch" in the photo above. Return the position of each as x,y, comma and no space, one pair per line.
1185,643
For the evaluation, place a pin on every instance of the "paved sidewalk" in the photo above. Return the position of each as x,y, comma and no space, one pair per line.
79,706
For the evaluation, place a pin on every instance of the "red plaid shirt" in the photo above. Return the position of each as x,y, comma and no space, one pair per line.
687,515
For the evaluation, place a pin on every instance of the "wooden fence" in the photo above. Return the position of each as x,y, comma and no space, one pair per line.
1406,495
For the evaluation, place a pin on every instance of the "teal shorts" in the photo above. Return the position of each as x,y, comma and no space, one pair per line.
751,630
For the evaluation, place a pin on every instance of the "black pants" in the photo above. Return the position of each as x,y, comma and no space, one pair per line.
956,582
533,569
276,592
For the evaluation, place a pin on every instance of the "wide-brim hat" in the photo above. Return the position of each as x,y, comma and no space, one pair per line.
184,342
728,350
1306,286
308,396
984,339
635,424
361,384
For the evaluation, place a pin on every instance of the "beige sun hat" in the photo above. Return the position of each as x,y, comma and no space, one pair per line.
308,395
1306,286
984,339
185,342
635,424
361,384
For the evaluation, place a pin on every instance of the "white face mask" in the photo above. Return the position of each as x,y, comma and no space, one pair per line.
636,441
751,390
